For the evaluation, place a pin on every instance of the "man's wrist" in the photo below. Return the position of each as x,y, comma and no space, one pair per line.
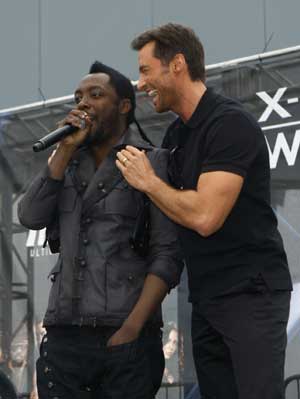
152,185
134,326
67,149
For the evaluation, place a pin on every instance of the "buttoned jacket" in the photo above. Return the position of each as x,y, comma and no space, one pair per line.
99,277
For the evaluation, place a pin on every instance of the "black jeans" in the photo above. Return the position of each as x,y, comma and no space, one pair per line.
239,342
76,363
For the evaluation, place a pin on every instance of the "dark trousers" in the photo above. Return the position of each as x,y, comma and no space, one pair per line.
75,363
239,341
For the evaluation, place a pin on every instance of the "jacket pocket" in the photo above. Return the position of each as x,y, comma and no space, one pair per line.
124,283
121,201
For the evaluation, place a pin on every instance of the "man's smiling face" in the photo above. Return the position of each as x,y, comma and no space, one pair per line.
156,79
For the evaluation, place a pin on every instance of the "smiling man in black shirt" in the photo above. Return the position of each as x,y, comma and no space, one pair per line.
238,275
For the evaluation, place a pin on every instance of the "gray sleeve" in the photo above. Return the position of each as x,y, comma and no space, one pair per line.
164,258
37,208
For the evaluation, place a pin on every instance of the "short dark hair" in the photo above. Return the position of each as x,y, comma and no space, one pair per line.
120,83
171,39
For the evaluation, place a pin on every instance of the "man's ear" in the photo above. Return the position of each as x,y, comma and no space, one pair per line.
178,63
125,106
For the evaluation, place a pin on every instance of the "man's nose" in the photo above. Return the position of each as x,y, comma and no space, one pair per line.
83,104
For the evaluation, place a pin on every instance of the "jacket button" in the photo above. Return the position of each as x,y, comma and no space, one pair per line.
80,277
130,278
82,263
100,185
83,184
46,370
50,384
85,241
88,220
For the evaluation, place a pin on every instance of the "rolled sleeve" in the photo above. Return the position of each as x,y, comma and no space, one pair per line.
165,257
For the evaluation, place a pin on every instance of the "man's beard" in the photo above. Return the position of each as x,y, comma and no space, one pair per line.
97,138
105,129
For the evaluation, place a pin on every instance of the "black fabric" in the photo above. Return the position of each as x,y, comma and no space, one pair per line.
76,363
7,390
239,341
222,136
139,241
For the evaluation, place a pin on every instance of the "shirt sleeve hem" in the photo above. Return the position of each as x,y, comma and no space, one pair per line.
225,168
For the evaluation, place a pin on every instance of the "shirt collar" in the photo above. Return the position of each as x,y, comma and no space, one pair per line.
206,104
132,138
129,137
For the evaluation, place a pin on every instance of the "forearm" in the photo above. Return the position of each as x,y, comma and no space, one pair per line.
153,293
59,161
182,206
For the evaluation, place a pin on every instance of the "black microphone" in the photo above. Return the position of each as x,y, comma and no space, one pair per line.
54,137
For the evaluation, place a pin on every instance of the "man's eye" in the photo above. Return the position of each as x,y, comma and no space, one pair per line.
77,99
96,93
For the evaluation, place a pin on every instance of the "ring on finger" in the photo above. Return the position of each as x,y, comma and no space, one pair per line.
83,117
82,124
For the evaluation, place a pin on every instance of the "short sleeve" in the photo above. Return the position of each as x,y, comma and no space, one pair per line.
231,145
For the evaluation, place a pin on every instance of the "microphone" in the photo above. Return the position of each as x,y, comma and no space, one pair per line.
54,137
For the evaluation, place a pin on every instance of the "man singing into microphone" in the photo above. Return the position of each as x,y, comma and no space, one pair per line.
103,318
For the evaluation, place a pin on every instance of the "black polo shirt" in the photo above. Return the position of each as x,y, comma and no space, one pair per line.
222,136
